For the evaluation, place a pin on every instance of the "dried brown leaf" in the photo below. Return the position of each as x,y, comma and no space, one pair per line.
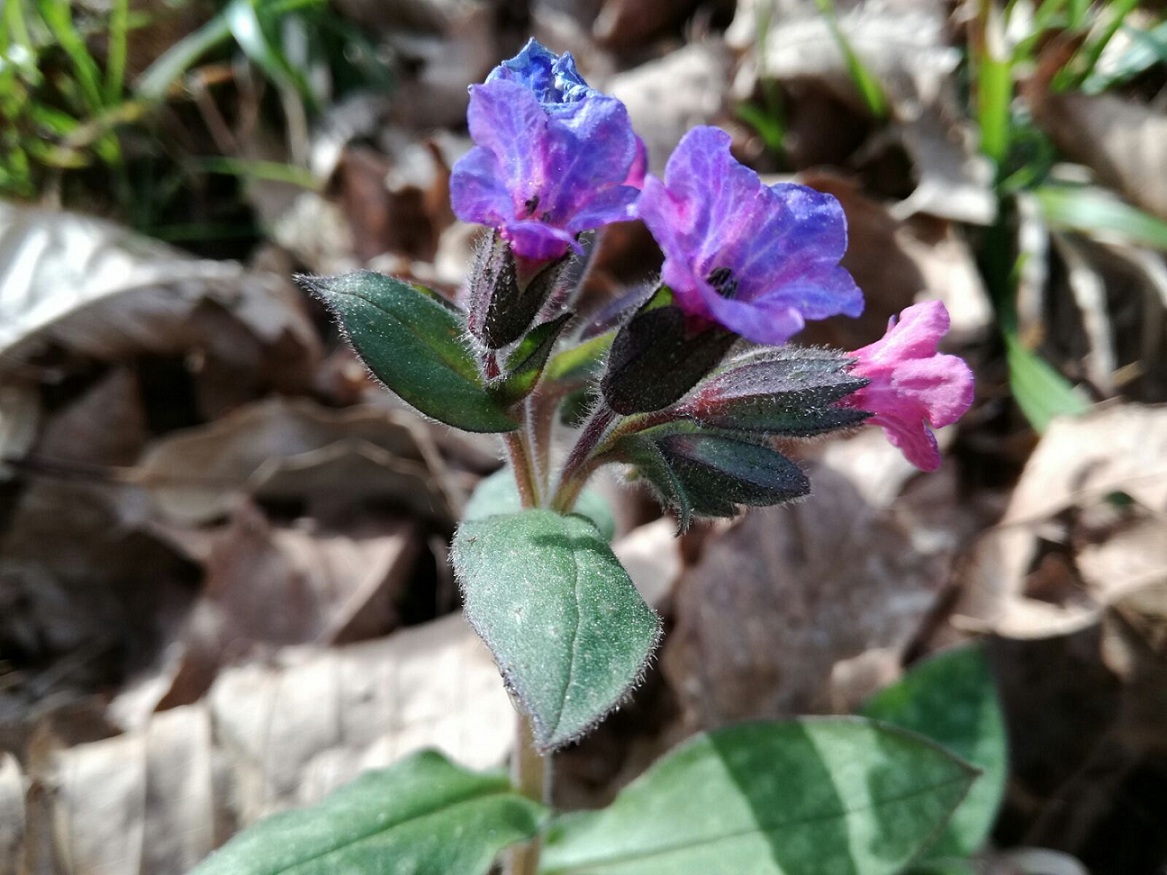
1022,579
783,595
138,803
667,97
11,814
1119,448
299,729
100,290
1124,143
628,24
20,415
280,447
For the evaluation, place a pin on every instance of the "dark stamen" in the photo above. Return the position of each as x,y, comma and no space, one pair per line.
723,283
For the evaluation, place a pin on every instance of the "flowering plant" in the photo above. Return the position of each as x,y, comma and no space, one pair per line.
692,391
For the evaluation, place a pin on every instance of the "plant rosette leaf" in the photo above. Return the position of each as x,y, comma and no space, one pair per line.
570,633
499,494
423,816
952,699
842,795
412,342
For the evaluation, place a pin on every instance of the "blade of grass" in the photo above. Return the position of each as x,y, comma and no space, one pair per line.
1092,51
272,171
994,85
1039,390
869,87
244,20
115,63
58,17
1147,48
1093,210
156,80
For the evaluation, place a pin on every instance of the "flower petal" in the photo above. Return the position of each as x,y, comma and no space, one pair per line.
912,388
780,245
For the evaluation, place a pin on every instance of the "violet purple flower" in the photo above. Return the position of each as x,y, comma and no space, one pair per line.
759,260
912,387
553,157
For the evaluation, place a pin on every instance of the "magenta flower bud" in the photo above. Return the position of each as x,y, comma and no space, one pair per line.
552,156
913,388
759,260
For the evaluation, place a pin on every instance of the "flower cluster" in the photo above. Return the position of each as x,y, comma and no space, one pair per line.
554,158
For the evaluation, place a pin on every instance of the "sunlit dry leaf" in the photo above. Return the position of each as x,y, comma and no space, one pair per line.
330,587
1034,861
1089,293
1123,142
786,593
651,554
1006,584
1132,557
1120,448
20,414
138,803
11,814
307,725
906,49
103,291
667,97
195,475
903,46
953,181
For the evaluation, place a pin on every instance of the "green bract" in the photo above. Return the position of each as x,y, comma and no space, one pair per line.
412,342
832,796
567,627
422,816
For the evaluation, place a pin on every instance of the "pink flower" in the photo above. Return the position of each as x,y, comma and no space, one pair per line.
913,388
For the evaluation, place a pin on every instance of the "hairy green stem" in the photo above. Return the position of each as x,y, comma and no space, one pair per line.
583,458
519,455
532,777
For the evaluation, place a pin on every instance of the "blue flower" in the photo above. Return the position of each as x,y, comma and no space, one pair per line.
759,260
552,156
552,78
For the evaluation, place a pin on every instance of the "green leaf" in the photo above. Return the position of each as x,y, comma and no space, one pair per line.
422,816
525,364
841,795
1040,391
499,494
952,699
570,633
412,342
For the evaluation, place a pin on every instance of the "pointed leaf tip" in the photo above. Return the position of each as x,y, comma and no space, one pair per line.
570,633
412,342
